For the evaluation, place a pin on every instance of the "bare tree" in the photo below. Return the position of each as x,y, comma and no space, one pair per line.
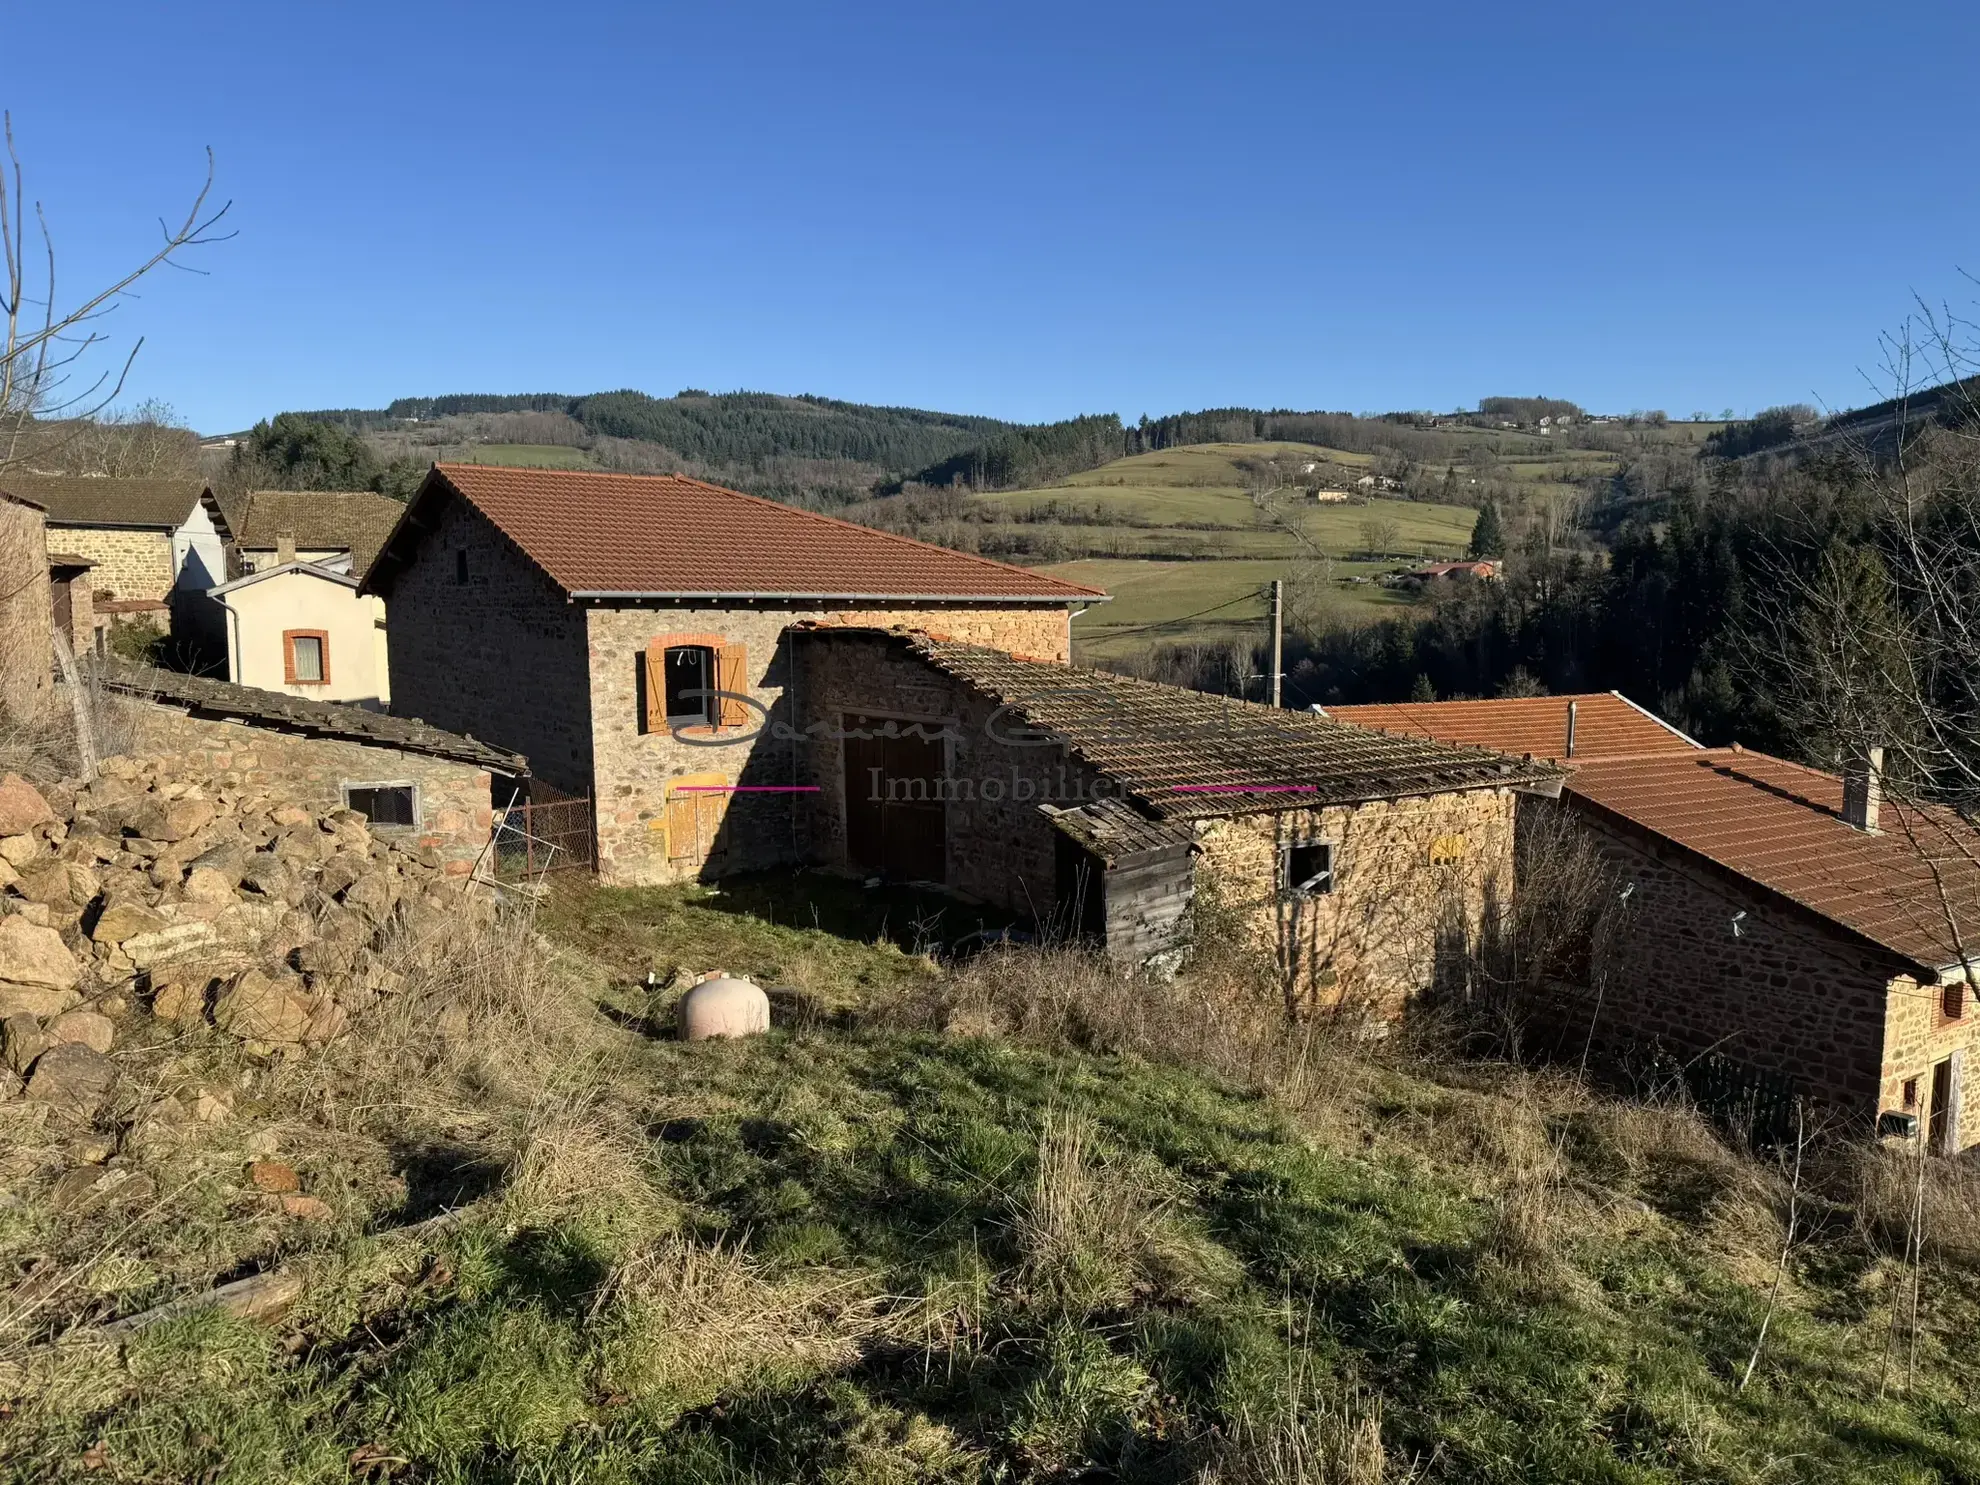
41,372
1380,536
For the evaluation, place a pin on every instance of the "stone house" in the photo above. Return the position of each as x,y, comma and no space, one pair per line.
1116,810
149,541
1776,915
26,608
431,788
630,635
338,529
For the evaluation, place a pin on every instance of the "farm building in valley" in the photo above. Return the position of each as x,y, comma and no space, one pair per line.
1777,915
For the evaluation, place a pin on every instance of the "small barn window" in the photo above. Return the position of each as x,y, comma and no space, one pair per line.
460,566
1952,1001
305,657
1306,868
384,804
1911,1093
689,677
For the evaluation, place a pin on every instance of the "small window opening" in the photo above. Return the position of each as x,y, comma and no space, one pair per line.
306,655
1911,1093
383,804
690,677
460,565
1307,868
1952,1001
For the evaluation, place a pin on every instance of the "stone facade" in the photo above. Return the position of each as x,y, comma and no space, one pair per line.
635,768
1413,880
26,611
1790,992
453,813
482,643
1001,848
128,564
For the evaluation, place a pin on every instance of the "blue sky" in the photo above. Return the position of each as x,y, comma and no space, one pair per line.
1017,209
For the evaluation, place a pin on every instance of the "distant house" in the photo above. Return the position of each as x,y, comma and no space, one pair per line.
1483,568
338,529
302,628
151,543
1780,917
1329,497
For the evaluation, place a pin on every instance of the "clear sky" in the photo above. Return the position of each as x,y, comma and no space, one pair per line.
1019,209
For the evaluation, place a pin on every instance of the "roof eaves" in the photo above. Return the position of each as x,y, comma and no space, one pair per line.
309,569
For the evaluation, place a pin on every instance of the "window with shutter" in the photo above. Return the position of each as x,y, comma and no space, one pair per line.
696,805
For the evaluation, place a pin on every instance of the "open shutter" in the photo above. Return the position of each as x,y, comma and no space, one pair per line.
653,678
732,676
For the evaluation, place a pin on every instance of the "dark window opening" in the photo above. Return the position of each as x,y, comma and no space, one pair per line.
690,676
384,804
1307,868
460,565
1952,1001
1911,1093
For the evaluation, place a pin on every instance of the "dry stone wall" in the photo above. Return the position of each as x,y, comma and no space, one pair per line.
128,564
193,900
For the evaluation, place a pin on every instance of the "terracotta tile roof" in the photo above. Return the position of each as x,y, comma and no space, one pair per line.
1187,755
81,500
613,535
225,701
1780,825
1606,725
354,521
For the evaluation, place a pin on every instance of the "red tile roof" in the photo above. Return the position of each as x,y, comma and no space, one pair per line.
625,535
1606,725
1780,824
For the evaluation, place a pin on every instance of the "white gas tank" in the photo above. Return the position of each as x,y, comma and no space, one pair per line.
723,1005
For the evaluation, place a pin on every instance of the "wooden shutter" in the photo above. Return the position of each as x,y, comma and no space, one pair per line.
732,675
694,818
653,680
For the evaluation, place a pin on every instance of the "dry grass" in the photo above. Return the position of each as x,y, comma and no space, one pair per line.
1894,1192
1339,1445
1086,1224
680,1323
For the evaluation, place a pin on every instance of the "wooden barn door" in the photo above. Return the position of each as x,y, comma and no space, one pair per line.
896,822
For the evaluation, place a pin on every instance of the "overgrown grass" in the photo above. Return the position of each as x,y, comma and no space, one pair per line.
1026,1220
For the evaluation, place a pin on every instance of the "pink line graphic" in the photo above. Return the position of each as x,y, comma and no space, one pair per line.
747,789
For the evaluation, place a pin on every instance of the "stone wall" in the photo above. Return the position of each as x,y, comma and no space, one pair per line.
499,657
1789,992
453,798
634,768
1918,1034
26,615
1413,880
129,564
1002,849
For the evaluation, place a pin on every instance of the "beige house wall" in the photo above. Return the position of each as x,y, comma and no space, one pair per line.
1413,880
634,769
129,564
260,613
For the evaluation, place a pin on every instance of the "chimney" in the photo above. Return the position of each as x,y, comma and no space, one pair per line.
1570,734
1863,789
285,547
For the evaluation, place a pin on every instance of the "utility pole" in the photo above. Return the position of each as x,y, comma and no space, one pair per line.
1278,635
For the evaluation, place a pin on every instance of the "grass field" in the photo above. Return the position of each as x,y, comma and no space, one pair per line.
1011,1223
1157,592
528,455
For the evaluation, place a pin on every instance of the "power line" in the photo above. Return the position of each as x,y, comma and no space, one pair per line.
1183,619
